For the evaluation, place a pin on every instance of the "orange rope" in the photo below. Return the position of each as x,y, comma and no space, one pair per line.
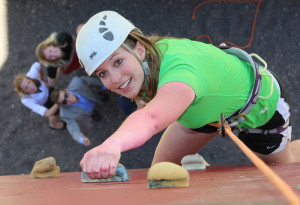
285,189
206,36
234,1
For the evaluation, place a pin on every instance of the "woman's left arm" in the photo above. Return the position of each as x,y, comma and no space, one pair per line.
41,75
167,106
52,110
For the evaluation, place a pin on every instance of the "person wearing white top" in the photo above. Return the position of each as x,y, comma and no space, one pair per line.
34,94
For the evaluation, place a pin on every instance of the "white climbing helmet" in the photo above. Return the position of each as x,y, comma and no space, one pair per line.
100,37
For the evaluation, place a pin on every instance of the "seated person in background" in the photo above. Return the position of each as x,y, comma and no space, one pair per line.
77,103
127,105
57,53
34,94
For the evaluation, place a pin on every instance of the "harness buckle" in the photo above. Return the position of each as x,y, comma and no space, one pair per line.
243,115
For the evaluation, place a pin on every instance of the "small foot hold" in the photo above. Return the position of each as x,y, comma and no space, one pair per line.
193,162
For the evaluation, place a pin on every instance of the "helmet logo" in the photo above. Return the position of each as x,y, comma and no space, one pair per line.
92,55
108,35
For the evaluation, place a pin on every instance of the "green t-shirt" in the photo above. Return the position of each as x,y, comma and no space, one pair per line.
222,83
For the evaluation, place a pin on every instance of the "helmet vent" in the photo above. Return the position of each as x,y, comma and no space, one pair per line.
102,23
107,35
101,30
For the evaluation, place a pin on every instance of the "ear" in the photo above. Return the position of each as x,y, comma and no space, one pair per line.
140,50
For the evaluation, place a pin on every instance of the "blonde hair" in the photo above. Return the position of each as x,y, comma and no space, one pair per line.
39,51
154,57
55,95
18,80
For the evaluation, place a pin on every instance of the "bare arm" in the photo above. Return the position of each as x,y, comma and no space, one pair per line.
170,102
51,111
41,76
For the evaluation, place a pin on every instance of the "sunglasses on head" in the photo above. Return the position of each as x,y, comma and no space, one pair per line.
65,99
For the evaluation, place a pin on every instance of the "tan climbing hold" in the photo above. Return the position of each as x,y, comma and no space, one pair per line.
167,174
45,168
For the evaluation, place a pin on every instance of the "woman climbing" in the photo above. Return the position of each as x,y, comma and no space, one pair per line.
186,85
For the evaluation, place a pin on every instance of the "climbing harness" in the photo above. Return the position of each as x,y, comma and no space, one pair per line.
240,115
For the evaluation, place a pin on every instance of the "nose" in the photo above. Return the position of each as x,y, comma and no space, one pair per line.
31,86
53,56
115,76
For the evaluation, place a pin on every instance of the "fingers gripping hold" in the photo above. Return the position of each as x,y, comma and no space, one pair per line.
101,161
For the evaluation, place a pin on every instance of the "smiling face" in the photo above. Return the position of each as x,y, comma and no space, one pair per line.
28,86
52,53
122,73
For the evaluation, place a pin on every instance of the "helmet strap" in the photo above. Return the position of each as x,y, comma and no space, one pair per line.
144,65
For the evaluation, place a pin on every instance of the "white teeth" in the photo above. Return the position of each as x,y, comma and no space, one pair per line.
125,84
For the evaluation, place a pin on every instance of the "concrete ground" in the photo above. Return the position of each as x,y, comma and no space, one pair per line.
25,137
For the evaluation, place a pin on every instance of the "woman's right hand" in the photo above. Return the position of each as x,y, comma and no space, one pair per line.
101,161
